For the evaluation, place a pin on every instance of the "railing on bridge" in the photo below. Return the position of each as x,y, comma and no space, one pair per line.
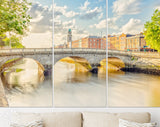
135,53
25,51
79,49
50,50
46,50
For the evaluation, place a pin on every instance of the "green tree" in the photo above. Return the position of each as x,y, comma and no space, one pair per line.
14,19
2,43
15,42
152,31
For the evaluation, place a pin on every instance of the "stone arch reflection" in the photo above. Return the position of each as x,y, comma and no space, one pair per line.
72,69
115,64
23,74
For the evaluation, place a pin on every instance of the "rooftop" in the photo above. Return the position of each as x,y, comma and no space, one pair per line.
93,37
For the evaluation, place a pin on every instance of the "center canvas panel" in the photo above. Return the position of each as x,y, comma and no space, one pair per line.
80,53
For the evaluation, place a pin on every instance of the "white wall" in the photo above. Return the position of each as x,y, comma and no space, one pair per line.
6,113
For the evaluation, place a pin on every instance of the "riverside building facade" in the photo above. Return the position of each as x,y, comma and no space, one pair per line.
126,42
93,42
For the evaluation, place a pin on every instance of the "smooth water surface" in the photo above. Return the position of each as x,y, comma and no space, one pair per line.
133,90
78,89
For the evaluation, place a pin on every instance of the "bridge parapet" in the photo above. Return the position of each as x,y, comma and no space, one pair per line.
118,52
25,51
138,54
80,50
47,50
45,55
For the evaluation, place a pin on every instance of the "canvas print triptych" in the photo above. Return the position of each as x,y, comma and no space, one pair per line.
80,53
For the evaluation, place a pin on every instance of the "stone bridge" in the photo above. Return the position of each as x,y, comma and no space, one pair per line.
44,56
93,56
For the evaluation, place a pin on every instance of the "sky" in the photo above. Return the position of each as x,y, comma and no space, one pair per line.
129,16
83,17
40,34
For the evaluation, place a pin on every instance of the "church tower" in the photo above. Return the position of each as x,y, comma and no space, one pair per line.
69,38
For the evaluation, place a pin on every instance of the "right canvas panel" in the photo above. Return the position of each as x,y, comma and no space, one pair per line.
133,53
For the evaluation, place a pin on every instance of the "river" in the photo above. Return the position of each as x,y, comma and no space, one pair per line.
78,89
25,84
40,97
133,90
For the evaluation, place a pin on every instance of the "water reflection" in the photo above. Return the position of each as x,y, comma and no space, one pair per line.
23,80
79,77
133,90
40,97
24,74
78,89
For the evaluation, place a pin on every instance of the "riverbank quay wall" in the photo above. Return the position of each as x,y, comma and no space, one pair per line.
3,99
142,62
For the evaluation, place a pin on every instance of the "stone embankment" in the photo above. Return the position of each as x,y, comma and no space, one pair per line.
3,99
143,65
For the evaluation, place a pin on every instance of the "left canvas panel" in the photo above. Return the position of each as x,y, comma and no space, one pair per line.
26,53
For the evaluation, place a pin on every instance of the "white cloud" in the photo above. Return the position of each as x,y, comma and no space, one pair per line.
70,14
38,40
123,7
40,35
37,19
157,7
112,23
100,16
69,24
91,13
62,11
60,39
61,29
42,17
84,7
74,20
134,26
101,25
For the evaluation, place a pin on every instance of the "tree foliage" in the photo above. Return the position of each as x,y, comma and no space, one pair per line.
15,42
14,19
152,31
2,43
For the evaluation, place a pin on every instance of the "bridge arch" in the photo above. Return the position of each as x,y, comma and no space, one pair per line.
45,56
115,63
92,59
20,71
76,59
11,61
45,60
103,61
